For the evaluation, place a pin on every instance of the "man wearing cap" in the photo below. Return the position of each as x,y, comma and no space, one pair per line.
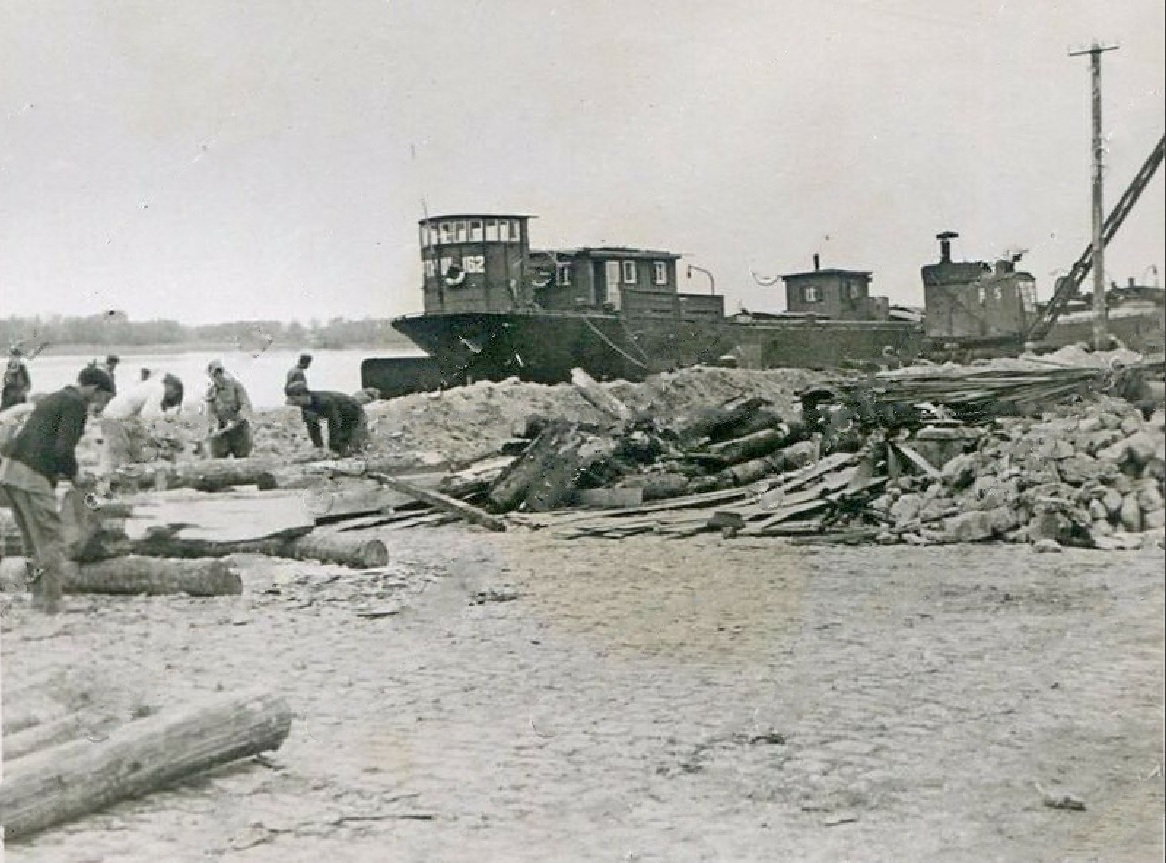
228,414
42,453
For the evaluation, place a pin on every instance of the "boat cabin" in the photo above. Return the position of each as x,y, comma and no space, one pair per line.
835,294
484,263
975,300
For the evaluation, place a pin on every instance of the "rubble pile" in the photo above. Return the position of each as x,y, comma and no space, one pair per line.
1090,475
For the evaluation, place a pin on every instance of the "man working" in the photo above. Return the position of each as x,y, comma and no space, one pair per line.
17,381
150,397
43,452
347,423
297,374
228,414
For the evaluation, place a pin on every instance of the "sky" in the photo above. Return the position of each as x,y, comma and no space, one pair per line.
210,160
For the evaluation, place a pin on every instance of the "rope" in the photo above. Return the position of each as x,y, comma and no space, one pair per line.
614,346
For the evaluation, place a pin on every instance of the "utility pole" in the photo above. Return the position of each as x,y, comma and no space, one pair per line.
1100,337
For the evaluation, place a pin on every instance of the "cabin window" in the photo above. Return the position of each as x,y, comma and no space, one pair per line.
446,232
629,272
491,230
431,269
461,232
854,291
660,270
1027,296
515,230
981,294
562,274
423,236
504,230
810,294
476,231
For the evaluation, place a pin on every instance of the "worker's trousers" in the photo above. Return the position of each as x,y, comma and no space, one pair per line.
41,531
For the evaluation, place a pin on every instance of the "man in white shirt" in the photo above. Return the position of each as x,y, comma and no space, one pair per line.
121,419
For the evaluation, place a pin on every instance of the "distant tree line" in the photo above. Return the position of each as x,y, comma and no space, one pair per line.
115,329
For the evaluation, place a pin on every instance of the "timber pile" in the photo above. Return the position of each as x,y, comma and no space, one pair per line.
75,764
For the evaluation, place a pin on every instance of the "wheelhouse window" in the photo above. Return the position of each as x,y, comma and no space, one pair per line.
423,236
660,273
461,232
446,232
476,231
504,230
629,272
491,230
1027,295
854,290
562,275
810,294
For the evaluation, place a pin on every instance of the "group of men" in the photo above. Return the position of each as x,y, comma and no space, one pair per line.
41,454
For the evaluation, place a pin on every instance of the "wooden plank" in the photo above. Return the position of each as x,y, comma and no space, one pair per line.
916,459
220,517
442,502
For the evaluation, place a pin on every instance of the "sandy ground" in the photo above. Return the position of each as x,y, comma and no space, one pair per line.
647,699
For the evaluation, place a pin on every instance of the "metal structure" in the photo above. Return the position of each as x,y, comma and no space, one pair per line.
1069,284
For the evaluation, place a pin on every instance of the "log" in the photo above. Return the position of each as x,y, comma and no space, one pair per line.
598,397
71,726
67,781
153,576
511,488
206,475
442,502
332,547
755,445
719,422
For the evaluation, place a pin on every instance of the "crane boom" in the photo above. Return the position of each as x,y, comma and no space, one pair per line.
1068,284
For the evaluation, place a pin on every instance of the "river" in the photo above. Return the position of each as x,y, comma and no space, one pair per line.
262,373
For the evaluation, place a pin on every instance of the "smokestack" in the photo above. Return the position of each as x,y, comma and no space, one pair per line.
945,245
817,262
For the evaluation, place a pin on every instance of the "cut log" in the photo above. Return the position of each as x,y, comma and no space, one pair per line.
442,502
67,781
154,576
341,548
751,446
205,475
720,422
71,726
598,397
513,484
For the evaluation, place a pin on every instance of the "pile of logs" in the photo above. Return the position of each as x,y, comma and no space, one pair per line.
61,765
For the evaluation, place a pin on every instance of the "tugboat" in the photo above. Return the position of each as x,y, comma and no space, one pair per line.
494,308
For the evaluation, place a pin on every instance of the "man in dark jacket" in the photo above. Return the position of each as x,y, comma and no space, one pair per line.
17,382
42,453
347,423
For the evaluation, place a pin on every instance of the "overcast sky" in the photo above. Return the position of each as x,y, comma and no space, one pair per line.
209,160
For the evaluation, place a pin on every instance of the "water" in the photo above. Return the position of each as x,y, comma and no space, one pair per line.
263,374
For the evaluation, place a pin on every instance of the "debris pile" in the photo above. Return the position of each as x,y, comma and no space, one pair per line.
1050,459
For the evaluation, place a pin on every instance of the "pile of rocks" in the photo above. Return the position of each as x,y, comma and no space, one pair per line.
1091,474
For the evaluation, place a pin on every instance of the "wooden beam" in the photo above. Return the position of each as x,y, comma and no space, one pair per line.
443,502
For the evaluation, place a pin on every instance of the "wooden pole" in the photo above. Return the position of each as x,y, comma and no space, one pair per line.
64,782
1100,322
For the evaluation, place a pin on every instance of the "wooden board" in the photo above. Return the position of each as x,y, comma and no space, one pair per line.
220,516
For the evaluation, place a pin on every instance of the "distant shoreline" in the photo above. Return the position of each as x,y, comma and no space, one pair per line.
170,348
